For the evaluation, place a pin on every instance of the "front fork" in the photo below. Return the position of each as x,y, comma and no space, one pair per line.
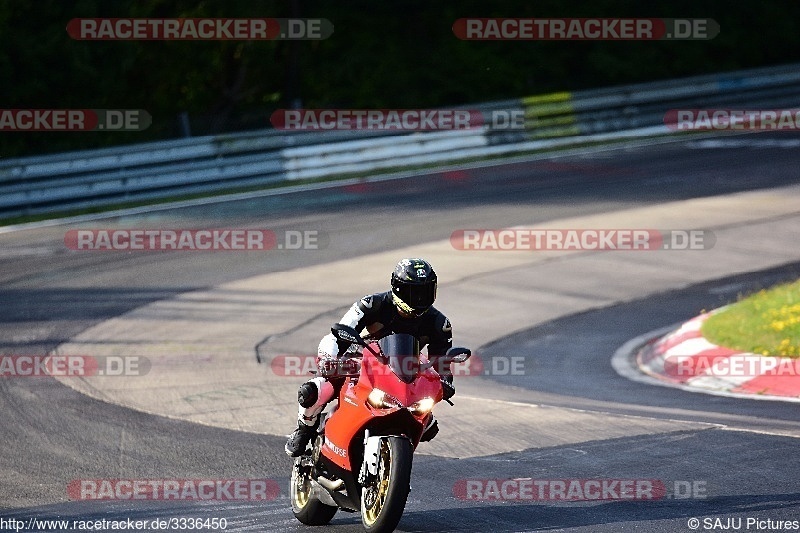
369,465
372,446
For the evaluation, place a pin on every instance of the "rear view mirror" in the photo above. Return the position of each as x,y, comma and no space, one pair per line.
458,354
347,334
441,363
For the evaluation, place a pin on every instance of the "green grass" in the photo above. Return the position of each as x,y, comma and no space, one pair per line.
766,323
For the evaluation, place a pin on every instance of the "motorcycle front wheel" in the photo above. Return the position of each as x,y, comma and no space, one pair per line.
305,505
384,499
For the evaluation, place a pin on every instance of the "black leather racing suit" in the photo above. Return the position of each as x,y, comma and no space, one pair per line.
378,315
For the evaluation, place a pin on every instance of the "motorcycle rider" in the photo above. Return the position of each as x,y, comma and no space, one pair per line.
406,308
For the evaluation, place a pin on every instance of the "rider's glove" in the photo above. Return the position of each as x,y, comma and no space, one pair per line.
328,366
431,430
448,390
331,367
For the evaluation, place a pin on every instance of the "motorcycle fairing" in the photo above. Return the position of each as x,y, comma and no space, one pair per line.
344,430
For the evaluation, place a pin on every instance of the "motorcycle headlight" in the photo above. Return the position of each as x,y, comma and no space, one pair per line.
422,407
381,400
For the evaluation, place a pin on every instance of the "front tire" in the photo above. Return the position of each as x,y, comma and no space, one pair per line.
305,505
383,502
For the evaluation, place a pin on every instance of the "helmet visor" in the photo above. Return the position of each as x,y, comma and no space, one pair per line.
418,296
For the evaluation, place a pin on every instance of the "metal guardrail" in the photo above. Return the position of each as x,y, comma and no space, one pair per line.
211,164
641,105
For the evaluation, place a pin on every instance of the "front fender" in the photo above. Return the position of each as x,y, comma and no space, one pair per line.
399,423
372,446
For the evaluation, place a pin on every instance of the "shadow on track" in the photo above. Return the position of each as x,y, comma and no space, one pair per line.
543,517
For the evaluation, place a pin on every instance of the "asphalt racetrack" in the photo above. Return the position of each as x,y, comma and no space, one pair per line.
738,457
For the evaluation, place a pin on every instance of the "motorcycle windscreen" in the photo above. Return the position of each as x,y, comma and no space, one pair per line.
402,350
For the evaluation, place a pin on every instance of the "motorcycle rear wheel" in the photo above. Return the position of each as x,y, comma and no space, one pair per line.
383,502
305,505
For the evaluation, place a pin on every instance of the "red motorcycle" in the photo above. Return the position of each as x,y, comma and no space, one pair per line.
361,459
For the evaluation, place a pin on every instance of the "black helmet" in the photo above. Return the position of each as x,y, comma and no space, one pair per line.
413,286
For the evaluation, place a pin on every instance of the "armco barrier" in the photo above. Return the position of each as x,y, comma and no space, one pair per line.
641,105
143,172
375,154
205,165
